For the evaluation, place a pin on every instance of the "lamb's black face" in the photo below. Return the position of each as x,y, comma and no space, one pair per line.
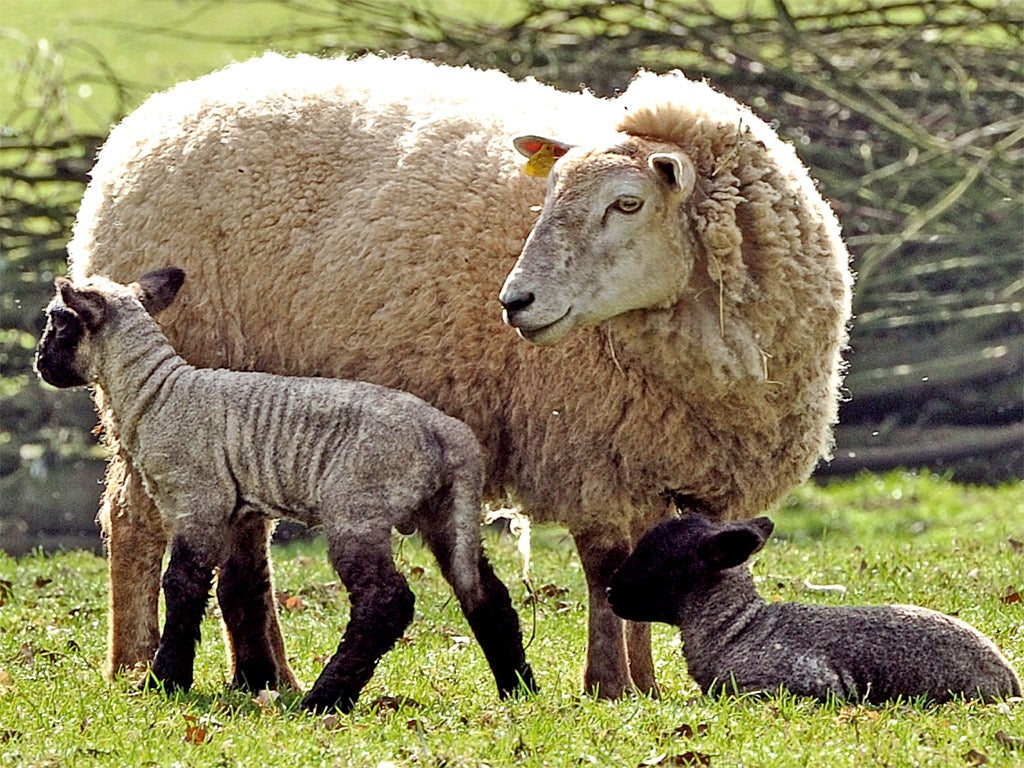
677,559
652,582
57,353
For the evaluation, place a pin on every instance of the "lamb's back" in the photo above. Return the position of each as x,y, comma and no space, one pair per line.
873,653
288,445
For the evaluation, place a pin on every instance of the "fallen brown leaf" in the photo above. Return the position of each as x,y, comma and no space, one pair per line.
1012,596
195,734
1008,741
333,722
266,699
975,757
688,731
691,758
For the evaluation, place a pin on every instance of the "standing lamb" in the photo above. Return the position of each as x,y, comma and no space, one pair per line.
690,572
702,275
216,448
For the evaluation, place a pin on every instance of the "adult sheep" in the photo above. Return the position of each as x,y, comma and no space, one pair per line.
709,289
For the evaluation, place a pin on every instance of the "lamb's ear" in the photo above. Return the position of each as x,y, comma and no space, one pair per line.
731,546
89,305
542,153
675,169
157,289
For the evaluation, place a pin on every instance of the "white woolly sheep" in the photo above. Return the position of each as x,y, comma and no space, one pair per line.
690,572
216,448
702,274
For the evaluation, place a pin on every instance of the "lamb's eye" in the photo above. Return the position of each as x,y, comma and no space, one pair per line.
61,319
628,204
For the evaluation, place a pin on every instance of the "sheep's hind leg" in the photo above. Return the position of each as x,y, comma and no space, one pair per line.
245,592
381,608
186,584
136,542
485,602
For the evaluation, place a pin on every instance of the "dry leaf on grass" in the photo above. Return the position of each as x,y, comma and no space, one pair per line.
1008,741
195,732
690,758
975,757
688,731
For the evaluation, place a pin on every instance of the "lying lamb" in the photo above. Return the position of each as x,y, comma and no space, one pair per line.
217,447
690,572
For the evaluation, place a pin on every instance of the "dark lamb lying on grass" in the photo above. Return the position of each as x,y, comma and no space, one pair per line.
218,449
691,572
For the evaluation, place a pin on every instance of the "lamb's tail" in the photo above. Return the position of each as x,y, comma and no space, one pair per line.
484,599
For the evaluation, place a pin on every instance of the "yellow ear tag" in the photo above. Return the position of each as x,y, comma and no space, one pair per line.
541,161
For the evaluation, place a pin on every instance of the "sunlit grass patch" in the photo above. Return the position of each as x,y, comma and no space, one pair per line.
901,537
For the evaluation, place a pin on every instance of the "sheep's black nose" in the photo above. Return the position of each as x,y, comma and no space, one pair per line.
517,303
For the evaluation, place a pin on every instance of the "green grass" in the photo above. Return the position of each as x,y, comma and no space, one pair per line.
901,537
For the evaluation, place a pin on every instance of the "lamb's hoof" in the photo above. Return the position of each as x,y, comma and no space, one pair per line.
168,686
525,685
320,701
257,676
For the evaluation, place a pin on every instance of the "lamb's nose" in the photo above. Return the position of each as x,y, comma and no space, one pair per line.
517,303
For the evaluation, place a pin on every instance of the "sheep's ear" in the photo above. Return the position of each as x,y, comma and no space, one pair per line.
89,305
675,169
542,153
157,289
729,547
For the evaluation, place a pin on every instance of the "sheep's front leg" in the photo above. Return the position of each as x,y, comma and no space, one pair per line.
641,663
606,673
136,542
638,634
381,609
186,583
245,592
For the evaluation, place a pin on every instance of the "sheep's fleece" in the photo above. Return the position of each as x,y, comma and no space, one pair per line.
395,183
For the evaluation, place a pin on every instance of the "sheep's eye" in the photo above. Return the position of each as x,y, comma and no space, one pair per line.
628,204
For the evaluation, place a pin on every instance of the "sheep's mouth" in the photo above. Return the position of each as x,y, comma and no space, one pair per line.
549,333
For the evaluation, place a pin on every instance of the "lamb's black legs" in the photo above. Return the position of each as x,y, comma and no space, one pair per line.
245,595
186,585
381,609
485,601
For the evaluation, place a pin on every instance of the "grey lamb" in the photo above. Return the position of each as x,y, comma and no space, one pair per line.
690,572
218,449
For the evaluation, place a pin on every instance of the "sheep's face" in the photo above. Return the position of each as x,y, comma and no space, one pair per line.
77,315
611,238
678,560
